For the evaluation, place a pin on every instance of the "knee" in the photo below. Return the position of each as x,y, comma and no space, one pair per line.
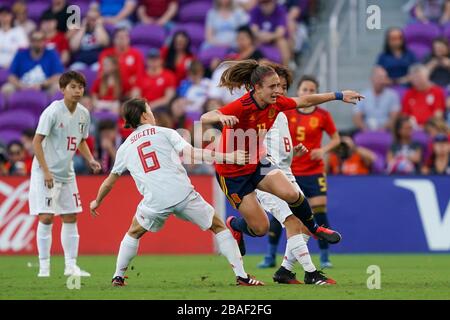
293,196
69,218
46,219
260,229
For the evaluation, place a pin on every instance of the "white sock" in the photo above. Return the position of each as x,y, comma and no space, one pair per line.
128,250
228,247
289,259
69,241
299,249
305,237
44,243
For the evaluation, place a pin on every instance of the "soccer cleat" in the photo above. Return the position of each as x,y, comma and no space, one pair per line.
44,273
285,276
237,235
118,282
326,265
248,282
318,278
268,262
328,235
76,271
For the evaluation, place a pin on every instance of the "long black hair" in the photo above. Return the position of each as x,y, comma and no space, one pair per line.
387,49
171,54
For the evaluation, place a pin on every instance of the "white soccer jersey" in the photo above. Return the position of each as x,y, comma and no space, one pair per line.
151,154
279,144
63,133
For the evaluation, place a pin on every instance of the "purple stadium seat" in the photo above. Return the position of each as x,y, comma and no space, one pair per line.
18,120
194,12
147,34
195,31
143,49
377,141
90,76
379,166
401,90
105,115
36,9
57,96
207,55
4,73
423,139
2,102
271,53
423,33
32,100
420,50
6,136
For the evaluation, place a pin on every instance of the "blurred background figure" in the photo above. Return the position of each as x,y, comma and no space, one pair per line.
12,38
21,19
55,39
438,64
177,56
157,12
117,12
17,158
439,162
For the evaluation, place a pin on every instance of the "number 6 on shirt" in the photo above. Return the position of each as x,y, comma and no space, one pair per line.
144,156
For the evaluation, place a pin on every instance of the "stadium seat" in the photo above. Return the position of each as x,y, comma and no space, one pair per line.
18,120
206,55
105,115
377,141
196,32
2,102
446,32
379,166
147,34
420,50
90,76
271,53
36,9
423,139
7,135
421,33
194,12
29,99
4,73
401,90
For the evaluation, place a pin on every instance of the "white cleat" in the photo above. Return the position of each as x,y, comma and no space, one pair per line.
44,273
76,271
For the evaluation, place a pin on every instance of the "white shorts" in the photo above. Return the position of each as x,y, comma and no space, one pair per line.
274,205
194,209
63,198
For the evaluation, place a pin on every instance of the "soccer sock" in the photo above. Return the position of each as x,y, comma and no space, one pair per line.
44,243
299,249
321,219
275,231
69,241
239,224
302,210
289,259
230,250
128,250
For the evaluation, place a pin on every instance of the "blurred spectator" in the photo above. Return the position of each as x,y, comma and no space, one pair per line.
396,58
178,55
381,106
20,12
269,23
117,12
193,91
55,39
108,142
163,118
405,155
27,141
179,118
3,162
221,94
11,38
87,43
425,99
59,9
131,61
350,159
221,23
37,67
246,48
157,84
438,64
297,30
436,11
160,12
247,5
435,126
16,156
440,157
107,89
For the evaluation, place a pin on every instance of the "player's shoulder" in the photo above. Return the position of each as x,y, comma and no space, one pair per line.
83,109
54,107
323,112
245,101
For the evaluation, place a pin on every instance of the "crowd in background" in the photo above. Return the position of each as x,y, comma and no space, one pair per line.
406,99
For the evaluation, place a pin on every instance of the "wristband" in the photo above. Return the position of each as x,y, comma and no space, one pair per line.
339,95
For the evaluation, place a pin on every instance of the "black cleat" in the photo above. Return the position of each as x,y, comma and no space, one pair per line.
283,275
250,281
317,277
118,282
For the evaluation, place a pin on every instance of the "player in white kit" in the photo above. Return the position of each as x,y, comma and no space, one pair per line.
279,146
152,156
62,130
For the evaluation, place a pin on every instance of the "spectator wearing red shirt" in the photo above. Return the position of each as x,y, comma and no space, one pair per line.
131,61
157,85
425,99
55,39
160,12
178,55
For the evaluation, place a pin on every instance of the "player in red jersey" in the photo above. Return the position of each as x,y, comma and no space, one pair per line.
255,112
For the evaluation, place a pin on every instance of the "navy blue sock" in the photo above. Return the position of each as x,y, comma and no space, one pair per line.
275,231
302,210
239,224
321,219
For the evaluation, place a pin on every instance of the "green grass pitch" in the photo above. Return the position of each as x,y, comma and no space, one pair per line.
209,277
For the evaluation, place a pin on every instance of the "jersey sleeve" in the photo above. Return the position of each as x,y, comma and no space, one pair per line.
286,103
328,124
177,141
46,122
119,164
88,124
232,109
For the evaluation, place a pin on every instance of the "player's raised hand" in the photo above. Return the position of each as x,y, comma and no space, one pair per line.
228,121
95,166
93,208
48,179
351,96
300,150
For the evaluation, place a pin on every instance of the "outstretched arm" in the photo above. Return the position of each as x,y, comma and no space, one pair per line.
216,116
312,100
105,188
195,154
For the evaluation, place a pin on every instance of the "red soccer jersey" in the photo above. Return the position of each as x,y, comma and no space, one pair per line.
422,105
154,87
250,116
308,129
